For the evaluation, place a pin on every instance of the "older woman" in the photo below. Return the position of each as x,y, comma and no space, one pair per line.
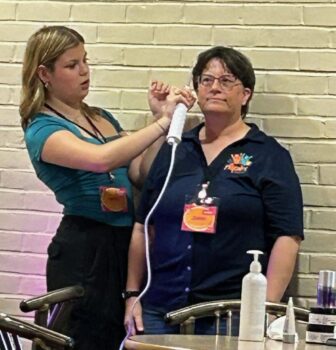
83,155
233,189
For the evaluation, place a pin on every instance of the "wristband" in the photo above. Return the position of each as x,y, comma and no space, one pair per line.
161,127
129,294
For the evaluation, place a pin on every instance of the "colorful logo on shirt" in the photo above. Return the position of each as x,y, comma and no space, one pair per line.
238,163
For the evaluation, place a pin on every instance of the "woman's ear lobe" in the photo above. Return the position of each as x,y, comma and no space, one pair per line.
43,73
247,95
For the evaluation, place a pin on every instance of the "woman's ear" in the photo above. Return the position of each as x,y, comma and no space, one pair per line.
247,95
43,74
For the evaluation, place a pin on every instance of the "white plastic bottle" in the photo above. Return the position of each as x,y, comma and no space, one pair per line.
252,312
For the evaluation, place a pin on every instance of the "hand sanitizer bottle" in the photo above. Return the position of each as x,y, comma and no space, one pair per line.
252,311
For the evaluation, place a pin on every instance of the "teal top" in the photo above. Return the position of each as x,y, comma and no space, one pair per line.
77,190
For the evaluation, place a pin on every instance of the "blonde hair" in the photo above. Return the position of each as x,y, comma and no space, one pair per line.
43,48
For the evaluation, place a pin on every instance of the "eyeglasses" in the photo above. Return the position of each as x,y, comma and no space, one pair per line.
226,82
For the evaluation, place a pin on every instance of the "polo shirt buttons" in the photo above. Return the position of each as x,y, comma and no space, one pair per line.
187,289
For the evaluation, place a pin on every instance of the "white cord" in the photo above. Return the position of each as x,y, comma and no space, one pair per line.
149,272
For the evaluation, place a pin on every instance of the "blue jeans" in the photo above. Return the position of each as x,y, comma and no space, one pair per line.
154,323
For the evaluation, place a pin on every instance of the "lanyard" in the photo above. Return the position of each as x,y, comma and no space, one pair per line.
94,135
210,172
101,139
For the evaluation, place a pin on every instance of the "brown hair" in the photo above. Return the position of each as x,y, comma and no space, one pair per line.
238,64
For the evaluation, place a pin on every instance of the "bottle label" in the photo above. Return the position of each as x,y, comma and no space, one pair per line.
322,319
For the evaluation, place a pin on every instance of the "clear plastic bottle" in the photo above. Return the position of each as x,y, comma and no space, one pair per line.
253,309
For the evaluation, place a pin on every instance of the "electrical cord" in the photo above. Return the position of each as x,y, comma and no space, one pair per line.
149,272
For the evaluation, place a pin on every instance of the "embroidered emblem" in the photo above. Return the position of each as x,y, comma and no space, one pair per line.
239,163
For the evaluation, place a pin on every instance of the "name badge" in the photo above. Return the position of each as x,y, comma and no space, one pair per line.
200,214
113,199
199,218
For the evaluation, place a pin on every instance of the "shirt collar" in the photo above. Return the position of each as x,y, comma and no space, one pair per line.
254,134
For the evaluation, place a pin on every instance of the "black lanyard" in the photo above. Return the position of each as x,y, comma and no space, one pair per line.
94,135
210,172
101,139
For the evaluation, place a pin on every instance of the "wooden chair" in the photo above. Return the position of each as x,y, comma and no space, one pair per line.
11,329
186,316
52,309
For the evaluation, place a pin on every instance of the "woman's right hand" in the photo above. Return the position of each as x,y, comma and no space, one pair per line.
163,99
133,320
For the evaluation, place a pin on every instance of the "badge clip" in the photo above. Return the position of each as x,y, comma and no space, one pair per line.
112,177
202,194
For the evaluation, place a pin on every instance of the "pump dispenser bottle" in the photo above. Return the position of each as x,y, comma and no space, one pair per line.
252,311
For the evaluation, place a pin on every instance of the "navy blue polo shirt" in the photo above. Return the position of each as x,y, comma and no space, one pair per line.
260,200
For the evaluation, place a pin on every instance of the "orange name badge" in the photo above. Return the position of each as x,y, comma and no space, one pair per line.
199,218
113,199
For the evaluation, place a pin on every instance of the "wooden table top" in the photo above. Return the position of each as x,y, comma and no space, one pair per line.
211,342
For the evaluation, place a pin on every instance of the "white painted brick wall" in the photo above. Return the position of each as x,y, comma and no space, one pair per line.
292,45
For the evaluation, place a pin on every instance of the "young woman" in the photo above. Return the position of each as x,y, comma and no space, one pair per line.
82,154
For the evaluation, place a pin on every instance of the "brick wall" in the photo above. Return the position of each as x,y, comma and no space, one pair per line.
292,45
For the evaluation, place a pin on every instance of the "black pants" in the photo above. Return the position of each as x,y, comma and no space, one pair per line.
94,255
